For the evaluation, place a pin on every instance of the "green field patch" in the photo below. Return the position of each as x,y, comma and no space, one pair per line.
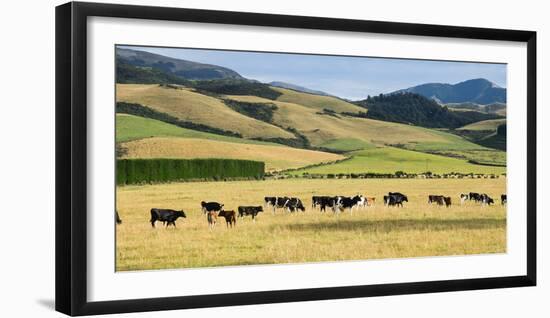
390,160
485,157
130,127
484,125
346,144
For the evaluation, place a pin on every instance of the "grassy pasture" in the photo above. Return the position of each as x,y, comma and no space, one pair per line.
320,129
390,160
300,113
187,105
376,232
276,157
317,102
484,125
347,144
130,127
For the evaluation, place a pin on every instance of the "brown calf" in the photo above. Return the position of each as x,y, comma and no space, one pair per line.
370,201
230,217
211,217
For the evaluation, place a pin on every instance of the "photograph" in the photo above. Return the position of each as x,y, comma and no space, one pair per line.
236,158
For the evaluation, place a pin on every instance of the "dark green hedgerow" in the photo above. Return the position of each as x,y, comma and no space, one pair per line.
137,171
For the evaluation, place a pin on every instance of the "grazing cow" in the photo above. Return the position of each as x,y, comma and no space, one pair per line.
463,198
503,199
165,215
270,201
230,217
486,200
396,199
399,194
250,210
447,201
117,218
348,203
474,196
277,202
212,217
211,206
331,202
316,201
432,198
363,202
295,204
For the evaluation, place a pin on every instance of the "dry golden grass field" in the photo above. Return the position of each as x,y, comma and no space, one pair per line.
316,101
376,232
187,105
275,157
491,124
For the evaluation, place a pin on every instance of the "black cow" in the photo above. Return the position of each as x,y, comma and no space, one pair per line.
250,210
396,199
295,204
165,215
211,206
447,201
503,199
117,218
399,194
229,216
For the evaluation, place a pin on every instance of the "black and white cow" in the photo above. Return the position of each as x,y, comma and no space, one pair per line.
348,203
331,202
474,196
165,215
294,204
463,198
434,198
276,202
363,202
503,199
270,201
316,201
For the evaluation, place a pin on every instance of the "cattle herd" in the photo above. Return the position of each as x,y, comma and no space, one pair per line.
336,204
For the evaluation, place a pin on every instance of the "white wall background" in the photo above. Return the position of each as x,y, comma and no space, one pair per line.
27,158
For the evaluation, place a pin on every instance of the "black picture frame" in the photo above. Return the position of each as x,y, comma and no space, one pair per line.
71,157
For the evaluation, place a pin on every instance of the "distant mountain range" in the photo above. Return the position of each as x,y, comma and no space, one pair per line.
298,88
183,69
479,91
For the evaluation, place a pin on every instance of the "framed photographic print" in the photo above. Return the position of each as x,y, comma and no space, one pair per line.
208,158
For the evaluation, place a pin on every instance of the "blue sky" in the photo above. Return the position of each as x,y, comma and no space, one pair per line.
348,77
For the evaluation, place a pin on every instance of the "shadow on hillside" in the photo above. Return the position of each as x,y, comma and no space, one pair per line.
429,224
